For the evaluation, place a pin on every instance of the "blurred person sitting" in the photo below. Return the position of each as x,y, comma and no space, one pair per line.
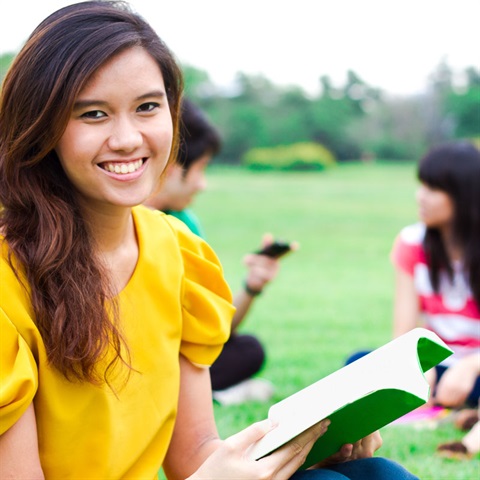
243,355
437,270
437,264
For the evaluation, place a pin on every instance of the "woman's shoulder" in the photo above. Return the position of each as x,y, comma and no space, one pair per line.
408,248
159,232
413,234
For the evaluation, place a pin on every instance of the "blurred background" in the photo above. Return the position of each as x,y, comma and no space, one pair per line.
363,80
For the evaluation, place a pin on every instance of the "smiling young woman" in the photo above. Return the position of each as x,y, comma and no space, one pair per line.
110,313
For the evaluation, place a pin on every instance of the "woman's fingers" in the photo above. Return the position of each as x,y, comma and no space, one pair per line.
249,435
291,456
364,448
231,459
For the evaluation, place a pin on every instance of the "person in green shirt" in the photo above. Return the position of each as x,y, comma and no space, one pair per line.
243,355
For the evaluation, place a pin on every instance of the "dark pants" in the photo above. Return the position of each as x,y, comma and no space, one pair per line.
376,468
472,399
242,356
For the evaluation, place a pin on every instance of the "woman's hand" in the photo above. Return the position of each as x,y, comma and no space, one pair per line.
364,448
231,459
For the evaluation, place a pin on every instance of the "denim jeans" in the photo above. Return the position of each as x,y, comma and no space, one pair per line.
376,468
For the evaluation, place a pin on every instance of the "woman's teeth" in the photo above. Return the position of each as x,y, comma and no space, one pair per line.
115,167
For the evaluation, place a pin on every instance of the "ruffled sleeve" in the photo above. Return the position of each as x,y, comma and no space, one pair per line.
207,299
18,374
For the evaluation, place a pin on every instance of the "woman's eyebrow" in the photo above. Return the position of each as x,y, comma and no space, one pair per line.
154,93
81,104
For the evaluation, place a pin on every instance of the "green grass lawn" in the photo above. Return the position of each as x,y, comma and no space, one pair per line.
334,295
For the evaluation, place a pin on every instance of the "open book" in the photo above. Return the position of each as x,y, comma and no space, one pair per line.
359,398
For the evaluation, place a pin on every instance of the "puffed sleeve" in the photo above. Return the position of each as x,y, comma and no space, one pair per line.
207,300
18,374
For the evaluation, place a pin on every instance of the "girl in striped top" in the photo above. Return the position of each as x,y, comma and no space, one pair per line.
437,263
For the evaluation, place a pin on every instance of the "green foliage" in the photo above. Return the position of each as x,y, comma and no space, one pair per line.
392,131
389,148
257,113
299,156
245,127
353,120
330,118
465,109
197,83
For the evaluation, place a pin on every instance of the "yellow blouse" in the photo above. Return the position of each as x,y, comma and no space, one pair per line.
176,301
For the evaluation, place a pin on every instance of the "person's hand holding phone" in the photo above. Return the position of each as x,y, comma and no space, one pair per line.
263,265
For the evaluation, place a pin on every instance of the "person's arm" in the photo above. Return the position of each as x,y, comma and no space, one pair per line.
196,452
261,270
19,456
195,435
406,304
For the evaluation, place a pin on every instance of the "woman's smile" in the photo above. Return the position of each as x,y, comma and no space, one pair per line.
122,167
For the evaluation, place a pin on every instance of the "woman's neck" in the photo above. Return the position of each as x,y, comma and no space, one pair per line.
116,244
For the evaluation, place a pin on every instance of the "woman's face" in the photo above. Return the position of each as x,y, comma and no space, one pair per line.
435,207
118,139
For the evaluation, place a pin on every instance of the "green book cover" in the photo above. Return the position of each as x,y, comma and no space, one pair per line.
359,398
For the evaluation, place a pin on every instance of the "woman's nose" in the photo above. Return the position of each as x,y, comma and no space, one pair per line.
125,136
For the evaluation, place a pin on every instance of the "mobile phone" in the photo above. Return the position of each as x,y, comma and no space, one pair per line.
275,249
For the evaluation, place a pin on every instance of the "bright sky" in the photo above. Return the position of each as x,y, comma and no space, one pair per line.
391,44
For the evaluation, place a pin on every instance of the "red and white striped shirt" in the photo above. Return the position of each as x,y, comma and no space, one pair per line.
451,313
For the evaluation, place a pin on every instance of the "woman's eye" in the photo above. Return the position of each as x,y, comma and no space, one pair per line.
148,107
94,114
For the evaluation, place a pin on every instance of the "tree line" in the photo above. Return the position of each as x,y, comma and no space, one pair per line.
353,121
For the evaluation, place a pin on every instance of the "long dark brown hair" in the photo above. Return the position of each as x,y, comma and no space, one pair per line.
455,169
40,216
